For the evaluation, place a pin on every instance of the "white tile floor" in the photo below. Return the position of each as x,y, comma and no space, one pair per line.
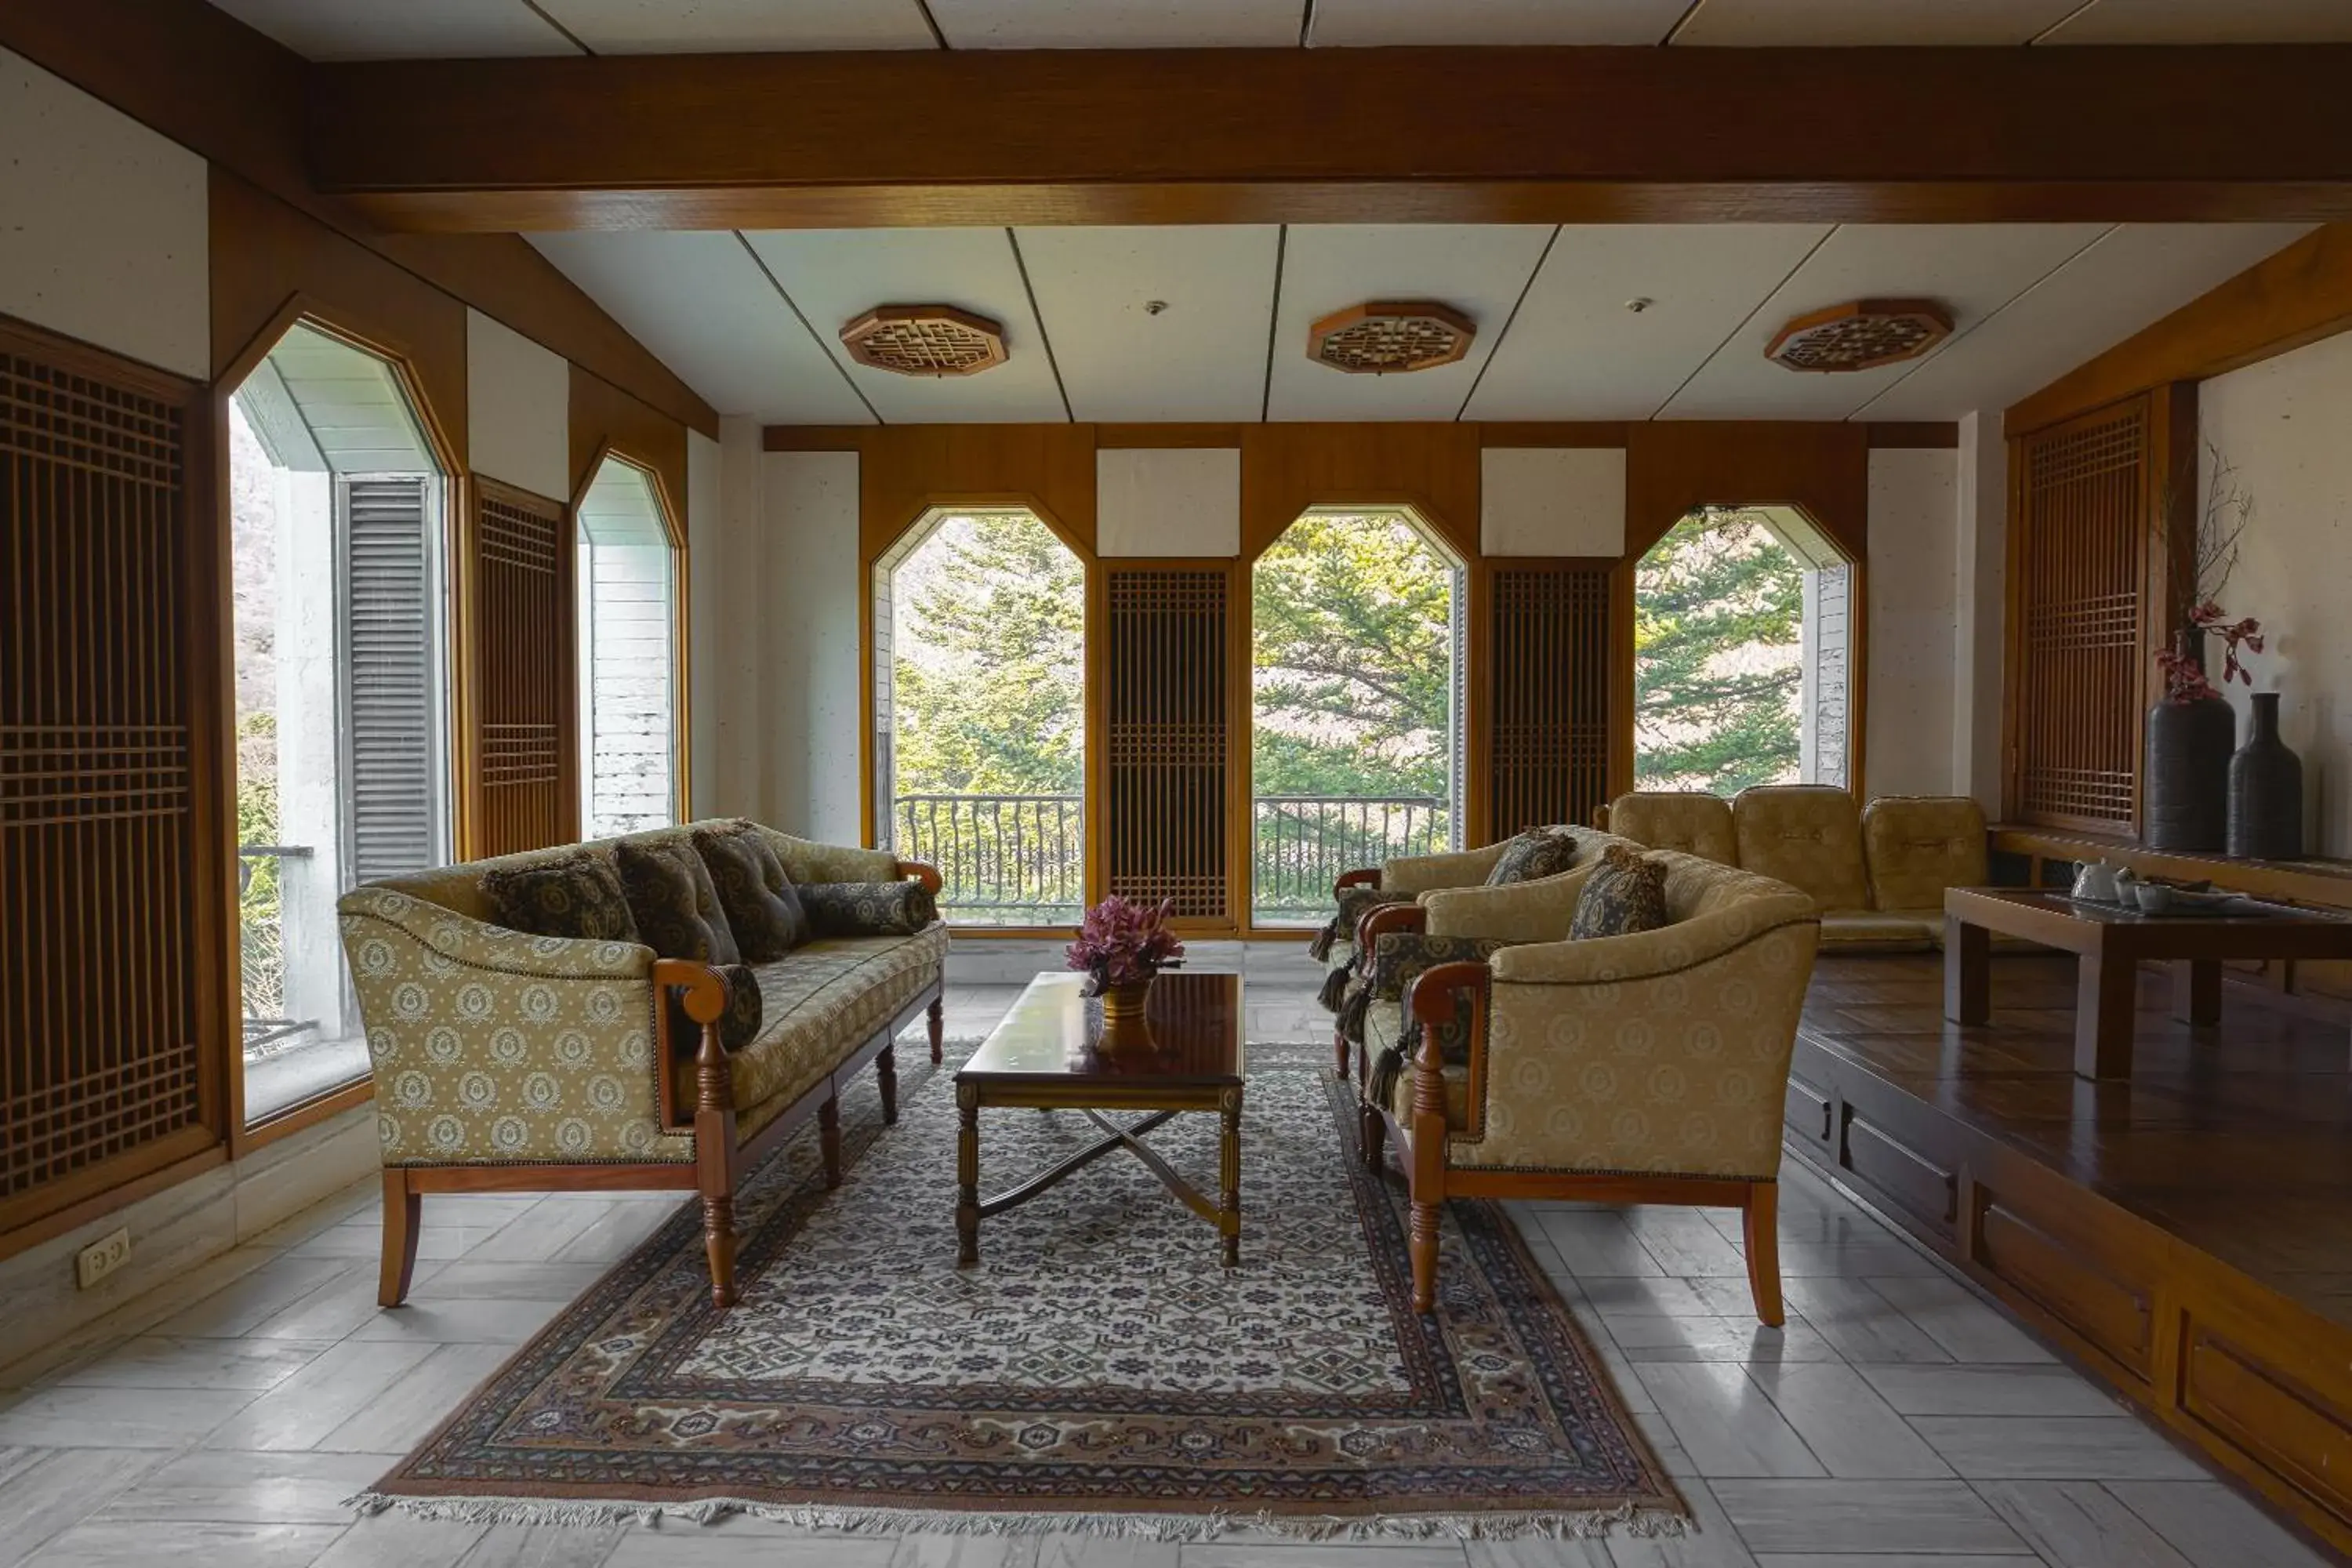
1898,1422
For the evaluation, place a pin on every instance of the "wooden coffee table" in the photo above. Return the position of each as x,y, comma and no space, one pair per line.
2110,943
1050,1054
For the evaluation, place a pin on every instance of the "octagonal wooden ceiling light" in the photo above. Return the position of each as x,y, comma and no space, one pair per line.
1861,334
1390,337
925,340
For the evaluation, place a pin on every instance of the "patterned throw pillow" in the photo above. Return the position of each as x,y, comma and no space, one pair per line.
1538,852
579,897
1398,959
1354,901
739,1026
672,901
868,908
762,910
1626,893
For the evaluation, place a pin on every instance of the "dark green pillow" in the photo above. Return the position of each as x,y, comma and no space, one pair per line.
762,910
868,908
579,897
672,901
1538,852
739,1026
1626,893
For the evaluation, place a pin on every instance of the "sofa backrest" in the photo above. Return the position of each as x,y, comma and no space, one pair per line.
1690,822
1697,886
1917,845
1808,835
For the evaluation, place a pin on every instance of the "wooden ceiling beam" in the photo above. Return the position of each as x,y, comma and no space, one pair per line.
1353,135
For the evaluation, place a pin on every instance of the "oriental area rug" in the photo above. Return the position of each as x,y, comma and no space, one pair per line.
1098,1372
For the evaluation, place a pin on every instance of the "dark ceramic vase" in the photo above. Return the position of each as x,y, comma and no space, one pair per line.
2184,786
2266,790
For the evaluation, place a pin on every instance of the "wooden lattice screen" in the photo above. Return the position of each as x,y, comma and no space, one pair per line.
1549,694
1167,717
108,1062
2080,554
527,746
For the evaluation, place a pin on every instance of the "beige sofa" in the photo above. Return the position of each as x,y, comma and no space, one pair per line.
505,1061
1641,1068
1878,873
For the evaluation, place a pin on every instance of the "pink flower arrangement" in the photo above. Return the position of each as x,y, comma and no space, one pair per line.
1121,942
2184,678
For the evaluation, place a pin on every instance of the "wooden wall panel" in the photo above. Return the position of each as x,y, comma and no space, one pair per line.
1170,756
111,1032
1286,469
1549,632
1672,466
2078,618
907,470
604,417
518,667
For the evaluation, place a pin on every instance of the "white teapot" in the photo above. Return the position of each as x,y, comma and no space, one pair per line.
2103,882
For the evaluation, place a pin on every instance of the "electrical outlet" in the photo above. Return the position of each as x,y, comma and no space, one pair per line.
102,1258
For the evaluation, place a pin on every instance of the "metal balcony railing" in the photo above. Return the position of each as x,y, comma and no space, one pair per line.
1020,859
261,945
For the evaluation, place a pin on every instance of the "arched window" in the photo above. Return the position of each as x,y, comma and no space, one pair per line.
627,582
1356,749
337,499
1741,641
980,714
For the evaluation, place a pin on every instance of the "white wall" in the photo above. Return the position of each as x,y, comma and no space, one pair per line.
1168,501
1551,501
811,613
517,409
1914,498
2287,426
103,224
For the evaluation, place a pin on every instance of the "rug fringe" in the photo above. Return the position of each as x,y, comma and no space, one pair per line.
1648,1523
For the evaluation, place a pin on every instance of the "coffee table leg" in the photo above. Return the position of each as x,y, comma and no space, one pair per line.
2197,990
2104,993
968,1175
1229,1175
1968,972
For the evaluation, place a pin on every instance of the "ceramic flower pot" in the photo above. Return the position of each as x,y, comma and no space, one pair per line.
2265,790
1123,1005
2185,801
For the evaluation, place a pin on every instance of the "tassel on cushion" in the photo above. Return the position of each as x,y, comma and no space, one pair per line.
1381,1088
1335,989
1353,1006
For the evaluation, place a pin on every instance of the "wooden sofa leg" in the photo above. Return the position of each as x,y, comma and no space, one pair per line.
828,1135
1761,1228
404,1212
938,1016
718,1245
886,1079
1371,1134
1423,1246
1340,1054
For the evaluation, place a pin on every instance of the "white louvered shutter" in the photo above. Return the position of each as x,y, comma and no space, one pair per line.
390,706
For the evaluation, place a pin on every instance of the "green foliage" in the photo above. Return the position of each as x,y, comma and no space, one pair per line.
989,681
1717,606
1353,660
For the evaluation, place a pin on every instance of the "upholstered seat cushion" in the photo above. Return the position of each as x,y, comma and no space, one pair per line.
1808,835
819,1003
1383,1025
1686,821
1879,930
1917,845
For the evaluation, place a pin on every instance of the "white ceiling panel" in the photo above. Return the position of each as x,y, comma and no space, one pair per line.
1117,23
702,305
2209,22
1973,269
400,30
1577,351
1479,271
1343,23
2134,274
838,275
1864,22
718,26
1202,358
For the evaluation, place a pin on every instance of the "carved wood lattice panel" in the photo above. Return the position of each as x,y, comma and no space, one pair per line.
2083,526
1550,696
526,748
1167,716
104,1065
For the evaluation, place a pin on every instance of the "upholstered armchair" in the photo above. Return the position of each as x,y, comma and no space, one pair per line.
1641,1068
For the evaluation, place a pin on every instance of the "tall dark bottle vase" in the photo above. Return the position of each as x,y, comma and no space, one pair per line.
2266,790
2184,786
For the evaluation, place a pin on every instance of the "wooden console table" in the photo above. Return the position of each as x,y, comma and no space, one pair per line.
2110,943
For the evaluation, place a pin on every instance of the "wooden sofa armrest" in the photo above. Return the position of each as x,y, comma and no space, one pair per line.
1436,997
1381,919
927,875
703,991
1361,877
